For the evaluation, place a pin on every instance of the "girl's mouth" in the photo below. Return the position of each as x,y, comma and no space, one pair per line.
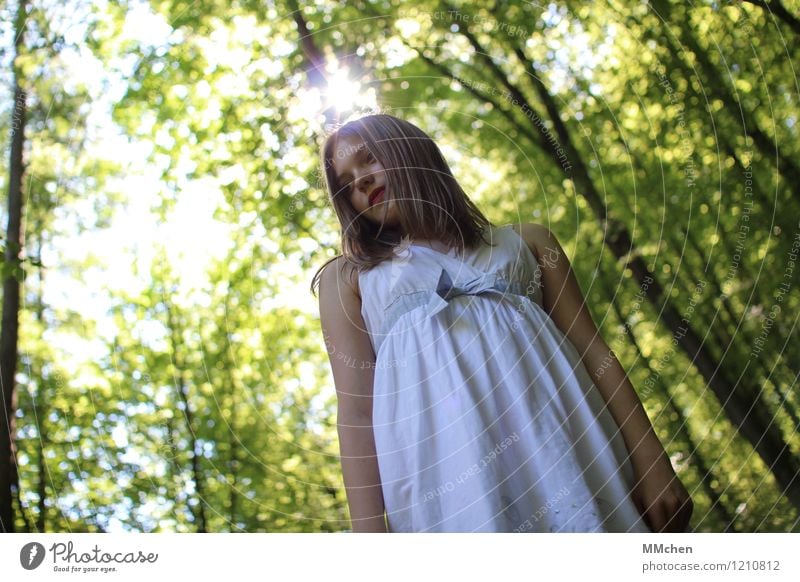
376,196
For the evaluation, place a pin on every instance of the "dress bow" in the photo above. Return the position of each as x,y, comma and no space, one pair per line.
446,290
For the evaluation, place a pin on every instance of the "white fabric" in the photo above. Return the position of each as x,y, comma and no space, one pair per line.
485,418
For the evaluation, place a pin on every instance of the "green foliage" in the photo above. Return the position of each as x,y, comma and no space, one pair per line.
213,408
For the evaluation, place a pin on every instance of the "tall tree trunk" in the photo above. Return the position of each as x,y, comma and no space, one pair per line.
11,289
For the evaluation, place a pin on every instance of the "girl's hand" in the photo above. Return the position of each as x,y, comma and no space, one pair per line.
660,496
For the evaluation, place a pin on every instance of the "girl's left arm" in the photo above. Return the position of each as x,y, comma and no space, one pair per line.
660,495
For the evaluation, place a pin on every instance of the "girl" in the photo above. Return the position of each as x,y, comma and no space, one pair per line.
461,353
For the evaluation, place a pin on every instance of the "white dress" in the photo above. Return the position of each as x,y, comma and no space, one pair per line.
485,418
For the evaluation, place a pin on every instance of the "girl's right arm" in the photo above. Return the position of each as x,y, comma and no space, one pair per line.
353,363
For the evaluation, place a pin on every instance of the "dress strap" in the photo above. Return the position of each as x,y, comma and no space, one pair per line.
436,300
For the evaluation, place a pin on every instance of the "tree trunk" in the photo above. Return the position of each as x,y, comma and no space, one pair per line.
11,290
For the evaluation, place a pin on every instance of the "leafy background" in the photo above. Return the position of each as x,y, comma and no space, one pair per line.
171,373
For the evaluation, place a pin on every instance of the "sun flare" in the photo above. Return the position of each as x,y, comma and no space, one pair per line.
342,92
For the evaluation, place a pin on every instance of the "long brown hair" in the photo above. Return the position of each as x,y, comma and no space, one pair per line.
431,205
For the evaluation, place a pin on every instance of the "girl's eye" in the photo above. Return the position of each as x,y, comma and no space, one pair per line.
370,158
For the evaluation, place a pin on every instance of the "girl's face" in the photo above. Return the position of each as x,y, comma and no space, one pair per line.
363,181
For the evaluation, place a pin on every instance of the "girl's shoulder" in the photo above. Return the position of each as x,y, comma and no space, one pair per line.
346,272
535,235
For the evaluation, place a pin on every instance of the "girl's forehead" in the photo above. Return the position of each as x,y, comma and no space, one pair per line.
345,149
347,146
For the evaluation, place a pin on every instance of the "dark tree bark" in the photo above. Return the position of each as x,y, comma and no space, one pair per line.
9,334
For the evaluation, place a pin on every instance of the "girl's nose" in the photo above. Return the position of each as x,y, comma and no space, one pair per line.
364,182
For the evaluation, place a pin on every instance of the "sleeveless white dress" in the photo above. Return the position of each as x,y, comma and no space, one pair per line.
485,418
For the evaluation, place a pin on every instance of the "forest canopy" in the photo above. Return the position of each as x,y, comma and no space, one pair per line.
163,368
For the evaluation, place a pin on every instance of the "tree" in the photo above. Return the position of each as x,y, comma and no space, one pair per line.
12,276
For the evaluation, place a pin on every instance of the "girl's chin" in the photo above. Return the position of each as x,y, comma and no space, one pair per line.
376,213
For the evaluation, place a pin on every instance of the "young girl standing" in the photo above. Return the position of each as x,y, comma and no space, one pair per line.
461,352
